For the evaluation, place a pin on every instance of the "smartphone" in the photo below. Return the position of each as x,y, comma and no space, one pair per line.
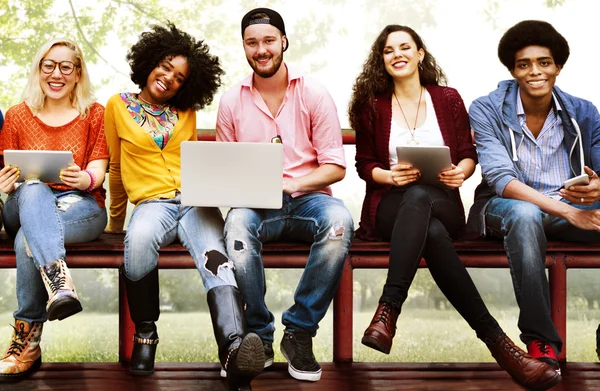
577,181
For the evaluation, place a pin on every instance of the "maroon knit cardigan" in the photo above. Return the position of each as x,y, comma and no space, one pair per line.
372,146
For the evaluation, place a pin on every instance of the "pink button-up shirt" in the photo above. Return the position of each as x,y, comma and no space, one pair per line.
306,122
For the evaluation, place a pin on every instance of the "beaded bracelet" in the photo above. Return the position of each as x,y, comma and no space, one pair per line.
92,181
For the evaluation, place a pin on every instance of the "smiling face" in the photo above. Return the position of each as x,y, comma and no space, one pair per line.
401,56
263,44
535,71
55,85
165,80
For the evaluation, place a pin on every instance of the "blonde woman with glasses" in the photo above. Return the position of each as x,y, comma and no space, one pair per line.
58,112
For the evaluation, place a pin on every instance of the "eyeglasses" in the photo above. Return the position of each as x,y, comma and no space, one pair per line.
65,67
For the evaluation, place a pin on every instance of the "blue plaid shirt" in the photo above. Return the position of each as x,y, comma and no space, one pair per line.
544,161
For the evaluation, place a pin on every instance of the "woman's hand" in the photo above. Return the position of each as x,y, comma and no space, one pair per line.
403,174
454,177
8,178
75,177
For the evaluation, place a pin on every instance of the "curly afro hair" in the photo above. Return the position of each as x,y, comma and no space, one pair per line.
162,42
532,33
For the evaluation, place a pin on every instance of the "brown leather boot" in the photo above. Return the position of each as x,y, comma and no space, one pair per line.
24,355
380,333
62,298
524,369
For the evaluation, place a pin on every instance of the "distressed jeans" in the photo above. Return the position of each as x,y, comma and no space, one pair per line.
157,223
314,218
526,230
42,220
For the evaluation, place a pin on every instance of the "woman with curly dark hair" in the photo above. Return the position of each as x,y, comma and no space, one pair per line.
177,76
398,101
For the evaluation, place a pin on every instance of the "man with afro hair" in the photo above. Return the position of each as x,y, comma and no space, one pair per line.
539,156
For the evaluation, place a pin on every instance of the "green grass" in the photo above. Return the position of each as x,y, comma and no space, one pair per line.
422,336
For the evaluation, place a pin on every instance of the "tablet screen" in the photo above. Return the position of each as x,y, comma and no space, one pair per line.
43,165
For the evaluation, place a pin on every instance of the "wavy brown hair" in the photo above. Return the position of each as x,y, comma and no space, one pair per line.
375,80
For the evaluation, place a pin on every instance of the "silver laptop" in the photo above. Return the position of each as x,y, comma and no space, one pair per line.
231,174
41,164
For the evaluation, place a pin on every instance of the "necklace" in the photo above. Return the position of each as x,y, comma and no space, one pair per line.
413,140
148,103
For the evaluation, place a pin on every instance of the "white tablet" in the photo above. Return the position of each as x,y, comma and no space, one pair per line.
43,165
429,160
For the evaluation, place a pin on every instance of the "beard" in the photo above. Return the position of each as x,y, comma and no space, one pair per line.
266,72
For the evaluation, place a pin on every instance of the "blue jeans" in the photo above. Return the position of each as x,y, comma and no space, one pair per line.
526,231
42,220
315,218
157,223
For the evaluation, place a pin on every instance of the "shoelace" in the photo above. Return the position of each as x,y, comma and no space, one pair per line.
544,347
385,315
512,349
17,347
57,278
304,349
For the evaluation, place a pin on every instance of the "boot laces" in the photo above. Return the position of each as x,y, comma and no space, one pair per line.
57,277
544,347
17,347
304,352
385,315
512,349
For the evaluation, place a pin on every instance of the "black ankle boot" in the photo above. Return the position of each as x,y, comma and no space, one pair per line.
142,296
242,355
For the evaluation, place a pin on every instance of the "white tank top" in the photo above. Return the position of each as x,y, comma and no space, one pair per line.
428,134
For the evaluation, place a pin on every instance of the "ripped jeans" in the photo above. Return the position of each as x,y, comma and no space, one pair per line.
314,218
42,220
157,223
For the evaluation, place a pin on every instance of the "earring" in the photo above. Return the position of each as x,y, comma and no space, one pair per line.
421,65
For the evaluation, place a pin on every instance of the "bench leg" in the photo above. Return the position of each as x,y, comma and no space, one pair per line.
126,325
342,316
557,276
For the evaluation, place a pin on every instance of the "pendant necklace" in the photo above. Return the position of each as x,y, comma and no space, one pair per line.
413,141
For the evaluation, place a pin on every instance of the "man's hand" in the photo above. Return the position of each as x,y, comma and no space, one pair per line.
584,195
585,219
290,186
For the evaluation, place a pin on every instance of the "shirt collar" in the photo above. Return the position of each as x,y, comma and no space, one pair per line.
521,110
292,75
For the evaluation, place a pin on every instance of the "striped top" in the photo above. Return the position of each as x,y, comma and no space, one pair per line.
544,161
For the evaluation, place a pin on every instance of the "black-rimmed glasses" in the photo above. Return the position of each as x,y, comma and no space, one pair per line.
65,67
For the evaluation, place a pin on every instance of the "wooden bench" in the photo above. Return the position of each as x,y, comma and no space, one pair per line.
107,252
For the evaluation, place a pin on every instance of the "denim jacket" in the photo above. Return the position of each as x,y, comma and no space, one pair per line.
498,135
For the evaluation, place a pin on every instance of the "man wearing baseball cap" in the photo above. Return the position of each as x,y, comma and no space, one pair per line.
277,104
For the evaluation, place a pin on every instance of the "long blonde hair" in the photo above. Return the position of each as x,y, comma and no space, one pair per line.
81,96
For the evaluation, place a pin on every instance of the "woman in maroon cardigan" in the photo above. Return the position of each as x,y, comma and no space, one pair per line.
398,101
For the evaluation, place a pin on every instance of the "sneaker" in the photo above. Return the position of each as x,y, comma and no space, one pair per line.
269,357
544,352
598,341
296,347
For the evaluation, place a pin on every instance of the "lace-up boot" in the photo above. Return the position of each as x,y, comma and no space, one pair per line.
142,296
62,298
380,333
524,369
242,355
544,352
24,355
296,347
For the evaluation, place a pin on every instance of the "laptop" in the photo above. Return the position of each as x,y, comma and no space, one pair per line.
231,174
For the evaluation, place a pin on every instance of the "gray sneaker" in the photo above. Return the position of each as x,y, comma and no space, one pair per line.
296,347
269,356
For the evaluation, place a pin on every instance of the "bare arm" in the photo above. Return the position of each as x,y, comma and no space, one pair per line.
320,178
583,219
